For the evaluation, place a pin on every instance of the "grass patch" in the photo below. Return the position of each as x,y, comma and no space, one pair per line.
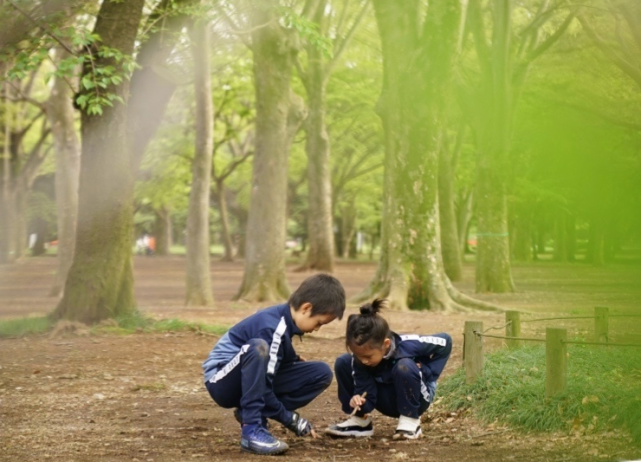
23,326
603,391
138,322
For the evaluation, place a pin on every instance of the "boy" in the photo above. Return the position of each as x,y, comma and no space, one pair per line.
255,369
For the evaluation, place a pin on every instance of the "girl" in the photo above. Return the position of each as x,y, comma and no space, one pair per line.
398,373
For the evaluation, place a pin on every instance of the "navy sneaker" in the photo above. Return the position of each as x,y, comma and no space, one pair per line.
354,426
256,440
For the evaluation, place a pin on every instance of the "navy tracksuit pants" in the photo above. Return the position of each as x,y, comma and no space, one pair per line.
407,395
293,386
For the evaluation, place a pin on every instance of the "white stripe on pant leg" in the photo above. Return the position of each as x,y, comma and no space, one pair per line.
424,390
235,361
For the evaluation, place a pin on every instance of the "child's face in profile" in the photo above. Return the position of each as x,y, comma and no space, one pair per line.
369,355
307,322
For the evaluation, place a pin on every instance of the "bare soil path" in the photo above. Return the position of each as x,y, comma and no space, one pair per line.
141,398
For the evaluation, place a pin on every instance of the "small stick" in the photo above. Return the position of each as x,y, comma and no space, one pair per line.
364,395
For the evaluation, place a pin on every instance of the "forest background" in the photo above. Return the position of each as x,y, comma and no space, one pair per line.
418,136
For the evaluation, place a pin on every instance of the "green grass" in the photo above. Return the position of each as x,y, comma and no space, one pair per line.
23,326
603,391
136,322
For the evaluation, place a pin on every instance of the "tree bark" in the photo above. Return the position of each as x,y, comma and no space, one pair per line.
60,112
276,123
162,231
450,246
416,63
493,272
320,255
100,281
8,215
199,291
560,236
228,243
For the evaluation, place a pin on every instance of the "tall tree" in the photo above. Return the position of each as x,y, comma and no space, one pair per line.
100,280
198,269
504,62
21,161
418,51
279,113
61,114
315,76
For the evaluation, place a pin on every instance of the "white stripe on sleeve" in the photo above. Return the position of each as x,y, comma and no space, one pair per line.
273,349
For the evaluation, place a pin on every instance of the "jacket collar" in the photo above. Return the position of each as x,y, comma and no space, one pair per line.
287,314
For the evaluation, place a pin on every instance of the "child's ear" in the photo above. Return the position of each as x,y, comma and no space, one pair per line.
305,308
386,343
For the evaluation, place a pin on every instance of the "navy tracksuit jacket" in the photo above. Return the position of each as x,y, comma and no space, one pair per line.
403,383
254,367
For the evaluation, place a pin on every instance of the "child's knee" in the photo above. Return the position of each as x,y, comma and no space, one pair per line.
405,366
325,374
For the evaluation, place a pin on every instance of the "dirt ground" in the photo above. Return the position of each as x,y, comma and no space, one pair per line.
140,397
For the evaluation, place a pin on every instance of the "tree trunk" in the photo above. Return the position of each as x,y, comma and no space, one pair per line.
162,231
224,221
493,272
199,291
411,273
463,218
276,122
8,216
60,112
347,227
100,281
560,240
571,237
319,219
521,236
450,246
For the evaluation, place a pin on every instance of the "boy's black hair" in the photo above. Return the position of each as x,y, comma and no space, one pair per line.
368,327
324,292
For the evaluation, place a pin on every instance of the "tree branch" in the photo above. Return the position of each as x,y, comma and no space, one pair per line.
610,52
41,26
340,45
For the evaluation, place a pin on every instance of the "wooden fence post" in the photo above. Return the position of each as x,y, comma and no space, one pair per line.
556,361
601,323
472,350
513,328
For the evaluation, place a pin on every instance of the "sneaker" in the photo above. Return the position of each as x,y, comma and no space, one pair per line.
408,428
257,440
354,426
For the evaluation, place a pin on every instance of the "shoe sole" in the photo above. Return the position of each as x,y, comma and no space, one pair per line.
347,433
273,453
415,436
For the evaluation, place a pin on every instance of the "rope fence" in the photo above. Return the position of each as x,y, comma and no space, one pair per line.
555,344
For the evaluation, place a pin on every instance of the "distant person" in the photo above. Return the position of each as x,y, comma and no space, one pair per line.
255,369
151,245
398,374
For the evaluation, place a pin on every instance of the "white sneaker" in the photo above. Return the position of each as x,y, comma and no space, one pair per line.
354,426
408,428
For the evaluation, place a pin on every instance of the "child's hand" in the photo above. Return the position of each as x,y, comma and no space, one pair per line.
301,426
357,401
